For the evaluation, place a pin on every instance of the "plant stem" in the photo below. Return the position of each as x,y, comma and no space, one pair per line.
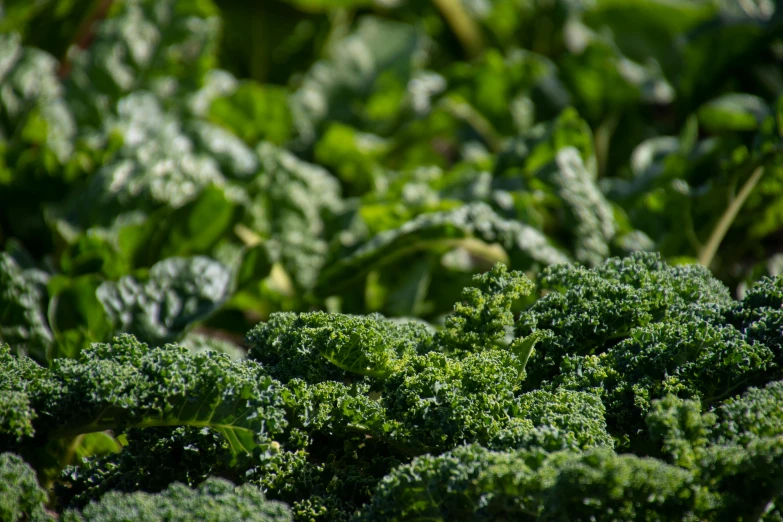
727,218
85,33
463,111
603,138
465,29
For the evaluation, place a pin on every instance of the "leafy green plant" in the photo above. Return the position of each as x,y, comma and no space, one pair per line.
360,417
232,238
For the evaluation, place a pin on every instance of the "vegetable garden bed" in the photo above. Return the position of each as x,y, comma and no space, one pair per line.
391,260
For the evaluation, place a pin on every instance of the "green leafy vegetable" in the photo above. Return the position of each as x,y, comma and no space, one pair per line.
420,260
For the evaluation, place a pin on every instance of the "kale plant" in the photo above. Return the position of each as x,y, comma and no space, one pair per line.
387,260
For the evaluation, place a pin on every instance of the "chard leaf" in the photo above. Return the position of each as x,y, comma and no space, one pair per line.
330,90
733,112
526,246
23,299
160,307
255,112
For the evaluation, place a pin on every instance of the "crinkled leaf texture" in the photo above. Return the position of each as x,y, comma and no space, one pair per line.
125,384
176,293
215,500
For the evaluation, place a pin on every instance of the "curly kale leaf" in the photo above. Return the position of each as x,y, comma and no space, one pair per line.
20,376
485,313
735,451
755,414
680,429
589,310
746,477
21,498
693,359
636,330
126,384
215,500
438,402
324,486
760,315
555,421
317,346
472,483
630,488
150,460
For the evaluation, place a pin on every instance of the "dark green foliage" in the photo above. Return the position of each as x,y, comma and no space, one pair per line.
334,176
375,419
636,330
21,498
215,500
118,386
23,299
150,460
484,314
472,483
302,345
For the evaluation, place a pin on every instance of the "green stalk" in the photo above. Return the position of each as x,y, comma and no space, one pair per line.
463,111
707,254
603,138
465,29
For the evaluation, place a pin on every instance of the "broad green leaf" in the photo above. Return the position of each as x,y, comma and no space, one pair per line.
440,232
354,156
23,301
733,112
166,46
713,48
200,343
76,315
377,59
292,203
255,112
649,29
160,307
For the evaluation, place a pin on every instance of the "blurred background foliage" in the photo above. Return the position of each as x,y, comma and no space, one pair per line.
172,168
